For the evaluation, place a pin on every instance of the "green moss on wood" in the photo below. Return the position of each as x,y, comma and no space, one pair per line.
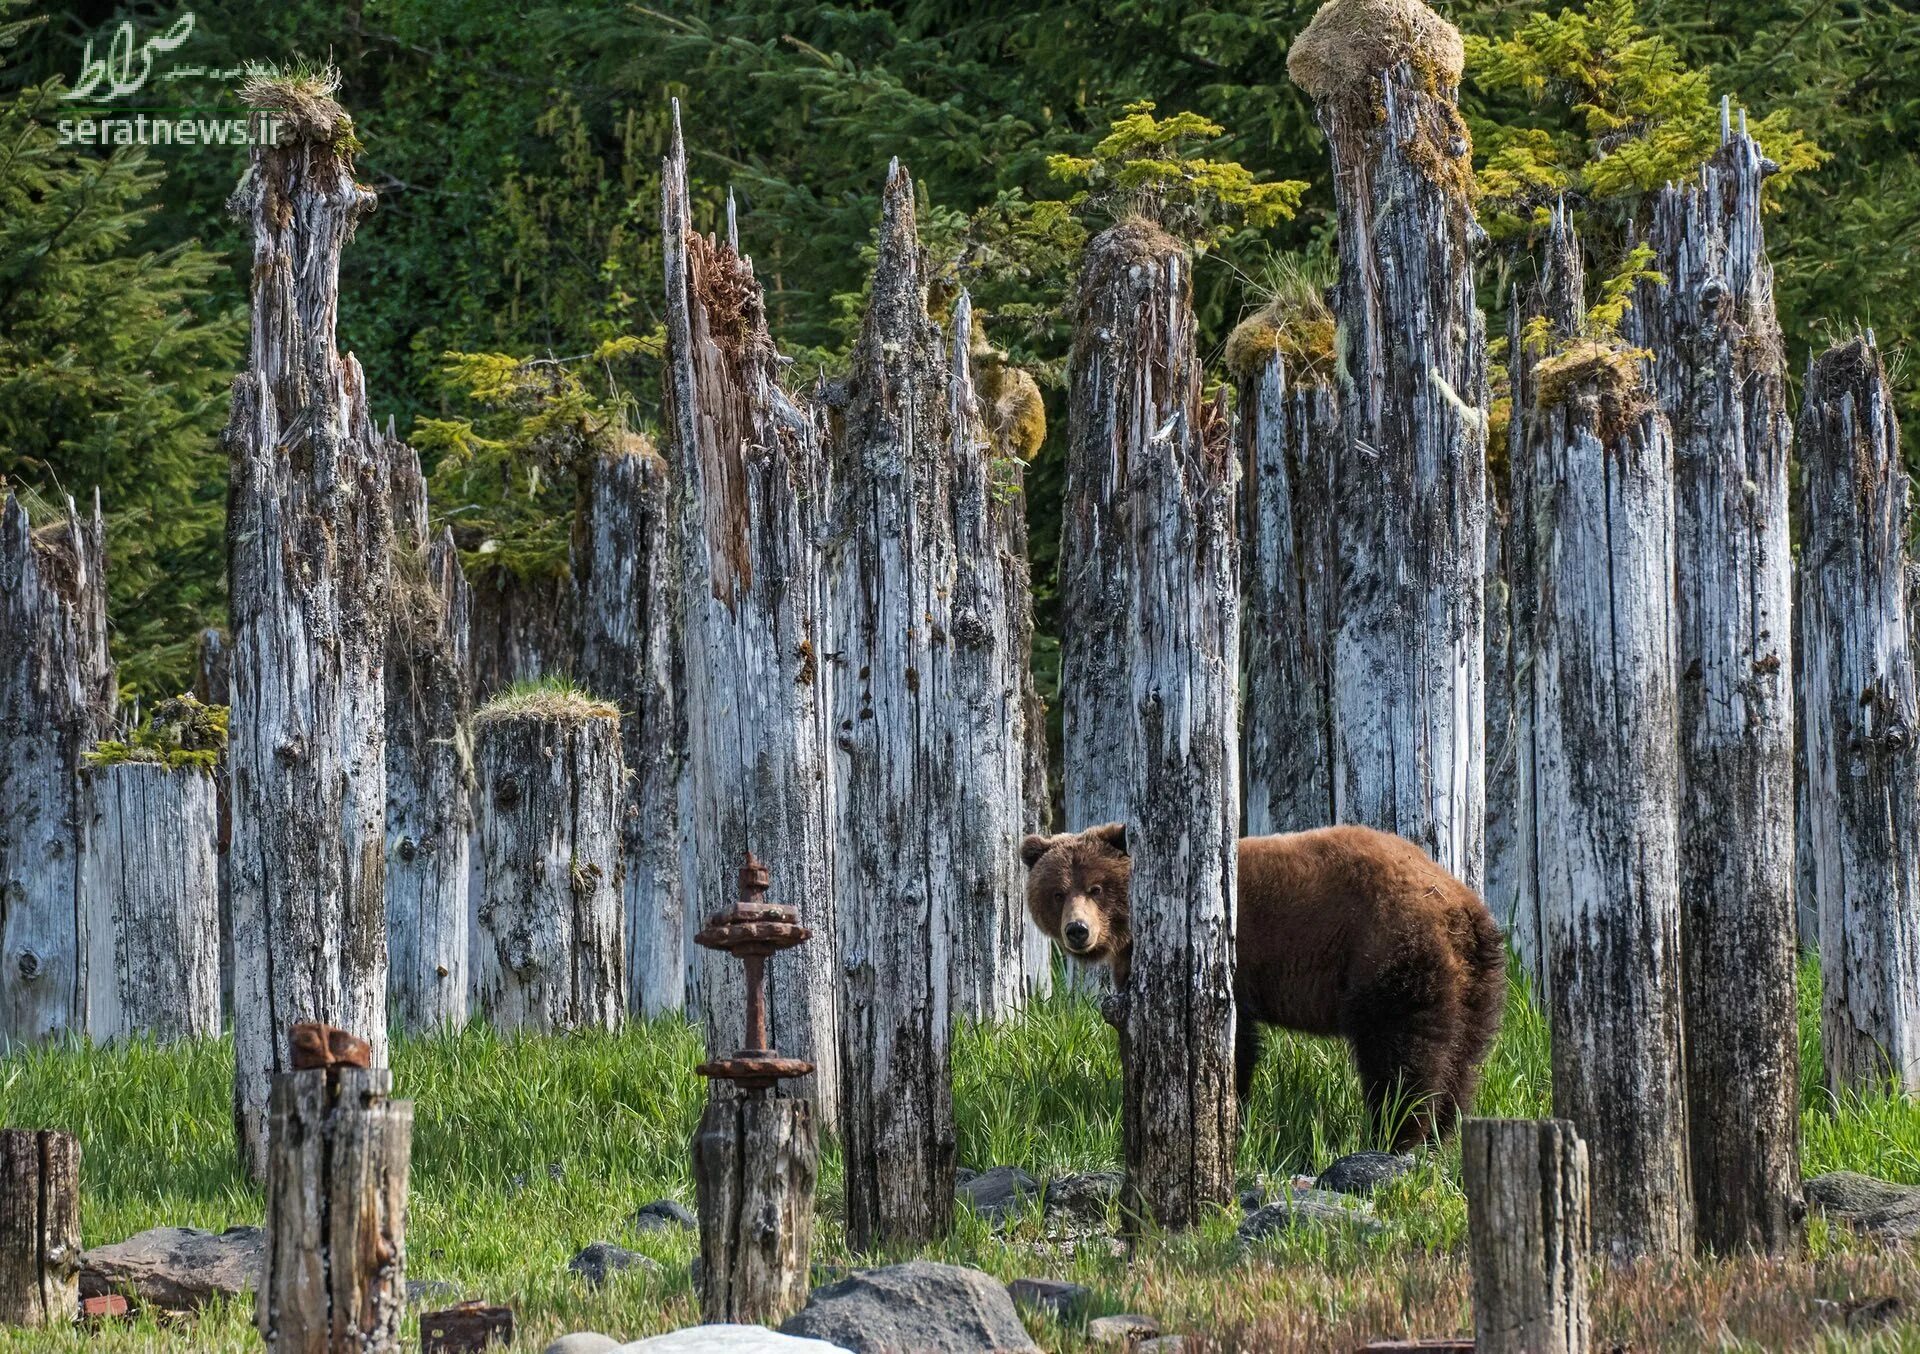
181,733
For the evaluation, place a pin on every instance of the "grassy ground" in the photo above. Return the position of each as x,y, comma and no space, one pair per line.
527,1149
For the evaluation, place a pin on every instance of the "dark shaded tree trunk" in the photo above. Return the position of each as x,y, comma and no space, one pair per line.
1408,690
56,699
751,477
1863,779
1718,372
901,827
1604,692
549,952
151,885
309,536
628,584
39,1227
1530,1221
1289,429
334,1277
1179,1115
429,767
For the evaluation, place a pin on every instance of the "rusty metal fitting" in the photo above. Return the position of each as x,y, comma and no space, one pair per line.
751,931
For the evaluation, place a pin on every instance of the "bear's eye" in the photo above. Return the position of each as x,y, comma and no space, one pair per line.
1060,897
1093,891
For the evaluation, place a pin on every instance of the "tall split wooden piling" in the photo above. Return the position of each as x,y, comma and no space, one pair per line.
39,1228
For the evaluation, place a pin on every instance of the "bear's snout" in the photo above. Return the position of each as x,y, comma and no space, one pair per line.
1077,934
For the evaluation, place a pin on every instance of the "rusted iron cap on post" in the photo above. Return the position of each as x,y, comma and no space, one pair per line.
751,931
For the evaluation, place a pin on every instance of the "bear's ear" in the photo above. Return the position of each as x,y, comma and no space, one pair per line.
1113,836
1033,848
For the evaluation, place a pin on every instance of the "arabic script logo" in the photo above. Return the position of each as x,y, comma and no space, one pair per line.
116,70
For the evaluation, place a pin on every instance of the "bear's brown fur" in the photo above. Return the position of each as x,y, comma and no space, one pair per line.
1342,931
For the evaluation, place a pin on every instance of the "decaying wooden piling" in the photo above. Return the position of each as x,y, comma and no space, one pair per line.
1179,1115
39,1228
151,888
1289,431
628,586
549,950
751,474
896,763
1718,371
309,535
429,766
334,1276
1411,367
1529,1219
1122,390
1607,775
56,700
1863,785
212,685
521,629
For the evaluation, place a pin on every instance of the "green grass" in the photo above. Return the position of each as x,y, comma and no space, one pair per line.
526,1149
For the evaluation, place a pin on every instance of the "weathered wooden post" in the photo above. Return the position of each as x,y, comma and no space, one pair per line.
988,638
150,882
755,1156
893,693
1289,430
213,685
751,473
1863,778
521,629
628,588
334,1275
1529,1219
549,953
429,766
1718,369
1412,512
1121,389
309,534
39,1227
1607,779
56,700
1179,1114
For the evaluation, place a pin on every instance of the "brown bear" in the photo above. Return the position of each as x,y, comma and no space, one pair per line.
1342,931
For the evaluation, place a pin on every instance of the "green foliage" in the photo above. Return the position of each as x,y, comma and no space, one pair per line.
114,362
1635,115
180,733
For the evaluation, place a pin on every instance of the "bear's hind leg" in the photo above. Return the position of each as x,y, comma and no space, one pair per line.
1246,1057
1404,1047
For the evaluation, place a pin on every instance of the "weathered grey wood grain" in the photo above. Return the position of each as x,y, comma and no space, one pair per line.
429,766
1718,371
151,886
754,1166
549,948
212,685
628,582
1607,774
521,629
1529,1220
56,700
39,1227
309,535
334,1277
751,477
1179,1115
895,690
1289,430
1863,780
1411,529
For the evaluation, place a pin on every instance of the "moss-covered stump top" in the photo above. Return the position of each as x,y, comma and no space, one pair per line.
1299,330
547,703
1351,42
182,734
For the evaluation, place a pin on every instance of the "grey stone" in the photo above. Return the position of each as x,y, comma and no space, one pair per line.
1251,1199
1363,1172
422,1291
728,1340
919,1307
1082,1200
596,1262
662,1215
998,1193
176,1267
1309,1208
1162,1344
1056,1297
1878,1207
583,1342
1125,1330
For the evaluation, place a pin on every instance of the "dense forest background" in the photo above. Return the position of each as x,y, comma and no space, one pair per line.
516,154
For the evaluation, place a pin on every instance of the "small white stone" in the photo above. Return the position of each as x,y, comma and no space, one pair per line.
722,1339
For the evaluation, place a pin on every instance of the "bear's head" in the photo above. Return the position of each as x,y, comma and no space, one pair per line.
1077,892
